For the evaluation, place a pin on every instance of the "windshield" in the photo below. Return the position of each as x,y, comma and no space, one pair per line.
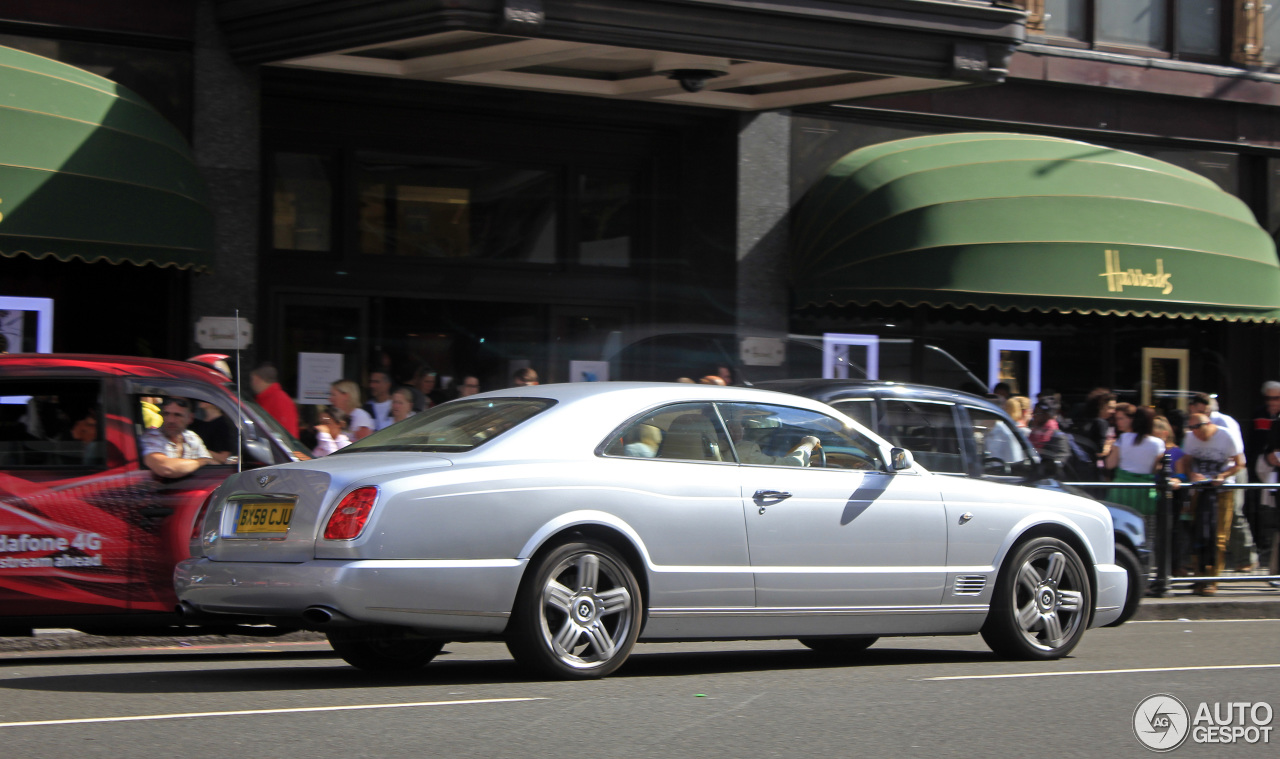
453,427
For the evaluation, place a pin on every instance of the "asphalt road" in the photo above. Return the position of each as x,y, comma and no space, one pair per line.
928,697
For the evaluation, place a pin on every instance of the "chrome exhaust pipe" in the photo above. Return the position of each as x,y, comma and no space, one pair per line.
323,616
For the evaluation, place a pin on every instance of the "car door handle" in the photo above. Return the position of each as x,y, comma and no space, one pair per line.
771,495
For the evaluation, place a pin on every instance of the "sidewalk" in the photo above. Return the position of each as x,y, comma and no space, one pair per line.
1234,600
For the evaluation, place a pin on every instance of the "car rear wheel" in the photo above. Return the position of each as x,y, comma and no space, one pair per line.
1042,602
383,648
577,614
840,646
1137,582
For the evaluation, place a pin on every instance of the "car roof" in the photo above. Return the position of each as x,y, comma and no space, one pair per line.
828,390
84,364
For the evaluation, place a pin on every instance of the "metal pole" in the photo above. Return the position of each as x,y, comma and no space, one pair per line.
1164,534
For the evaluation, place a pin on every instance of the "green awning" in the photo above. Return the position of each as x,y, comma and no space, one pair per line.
1013,221
89,170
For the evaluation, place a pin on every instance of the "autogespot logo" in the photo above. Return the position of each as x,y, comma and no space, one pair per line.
1161,722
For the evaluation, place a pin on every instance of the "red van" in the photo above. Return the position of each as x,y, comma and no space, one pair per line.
89,536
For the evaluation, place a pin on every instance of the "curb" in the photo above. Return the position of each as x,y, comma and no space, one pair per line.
1198,607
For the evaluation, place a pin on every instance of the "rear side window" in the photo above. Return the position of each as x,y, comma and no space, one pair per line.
928,430
861,410
453,427
682,432
51,424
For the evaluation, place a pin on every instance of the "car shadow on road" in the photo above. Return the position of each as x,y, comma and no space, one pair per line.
322,671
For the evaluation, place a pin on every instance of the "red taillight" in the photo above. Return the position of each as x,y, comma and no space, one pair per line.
198,526
349,518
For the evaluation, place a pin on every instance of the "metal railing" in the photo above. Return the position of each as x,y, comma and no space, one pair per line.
1171,498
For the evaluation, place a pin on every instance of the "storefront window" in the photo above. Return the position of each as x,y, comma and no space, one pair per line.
1066,19
302,207
1271,34
1199,27
605,218
1134,23
441,208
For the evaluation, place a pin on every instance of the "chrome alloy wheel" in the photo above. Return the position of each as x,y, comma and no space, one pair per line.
1049,598
587,612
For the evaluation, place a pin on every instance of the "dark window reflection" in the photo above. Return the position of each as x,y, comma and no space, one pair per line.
302,202
606,218
440,208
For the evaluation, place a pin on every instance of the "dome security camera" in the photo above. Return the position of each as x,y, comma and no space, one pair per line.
691,71
693,80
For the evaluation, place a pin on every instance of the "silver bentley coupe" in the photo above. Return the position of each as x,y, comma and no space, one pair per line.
573,520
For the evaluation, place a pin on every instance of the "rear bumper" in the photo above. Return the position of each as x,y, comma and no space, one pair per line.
444,596
1113,588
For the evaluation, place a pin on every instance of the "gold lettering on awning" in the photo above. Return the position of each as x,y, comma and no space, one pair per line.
1118,278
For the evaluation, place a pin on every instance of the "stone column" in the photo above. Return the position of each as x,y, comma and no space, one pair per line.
763,235
226,140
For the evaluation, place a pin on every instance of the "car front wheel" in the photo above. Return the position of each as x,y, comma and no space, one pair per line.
1042,602
379,648
577,614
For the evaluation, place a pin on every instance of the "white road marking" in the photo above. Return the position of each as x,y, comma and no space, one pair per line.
251,712
1106,672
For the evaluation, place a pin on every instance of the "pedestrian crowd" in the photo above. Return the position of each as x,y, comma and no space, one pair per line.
1105,440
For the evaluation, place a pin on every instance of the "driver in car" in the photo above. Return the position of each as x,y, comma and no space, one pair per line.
749,451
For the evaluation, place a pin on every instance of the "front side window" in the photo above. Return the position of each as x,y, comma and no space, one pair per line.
51,424
926,429
767,435
1000,446
453,427
682,432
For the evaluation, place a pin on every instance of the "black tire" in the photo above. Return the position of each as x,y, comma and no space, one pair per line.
849,646
1042,602
379,648
577,614
1138,579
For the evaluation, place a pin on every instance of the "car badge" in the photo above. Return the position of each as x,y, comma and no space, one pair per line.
265,480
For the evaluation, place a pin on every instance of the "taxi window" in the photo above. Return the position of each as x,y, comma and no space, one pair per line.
926,429
51,424
862,410
1002,449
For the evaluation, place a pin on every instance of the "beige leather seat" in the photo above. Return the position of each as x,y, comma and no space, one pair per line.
691,438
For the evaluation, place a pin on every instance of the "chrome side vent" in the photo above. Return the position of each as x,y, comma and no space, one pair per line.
969,585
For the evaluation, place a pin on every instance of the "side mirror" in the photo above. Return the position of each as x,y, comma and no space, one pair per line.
900,459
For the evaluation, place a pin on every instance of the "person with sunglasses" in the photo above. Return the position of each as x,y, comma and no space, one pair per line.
171,450
1211,454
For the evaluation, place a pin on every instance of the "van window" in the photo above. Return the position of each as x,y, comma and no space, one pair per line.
51,424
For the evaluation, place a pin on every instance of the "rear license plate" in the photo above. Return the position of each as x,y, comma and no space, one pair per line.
259,518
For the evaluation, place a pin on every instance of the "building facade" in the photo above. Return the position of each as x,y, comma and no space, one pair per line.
478,186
